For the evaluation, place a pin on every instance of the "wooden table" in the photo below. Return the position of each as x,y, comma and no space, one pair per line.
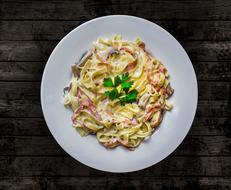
30,158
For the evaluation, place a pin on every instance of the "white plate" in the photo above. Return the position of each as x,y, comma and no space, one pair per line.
176,123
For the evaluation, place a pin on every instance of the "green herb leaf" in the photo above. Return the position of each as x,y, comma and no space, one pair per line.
123,100
107,93
107,82
126,85
132,94
113,94
117,81
129,97
125,77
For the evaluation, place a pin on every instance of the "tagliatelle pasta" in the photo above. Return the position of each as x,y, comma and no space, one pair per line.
118,92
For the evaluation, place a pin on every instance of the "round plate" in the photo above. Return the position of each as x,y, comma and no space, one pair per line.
175,124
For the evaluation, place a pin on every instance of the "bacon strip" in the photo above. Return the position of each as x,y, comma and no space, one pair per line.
76,113
127,50
142,45
131,66
123,142
88,104
150,110
111,144
150,78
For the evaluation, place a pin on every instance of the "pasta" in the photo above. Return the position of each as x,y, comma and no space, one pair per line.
119,92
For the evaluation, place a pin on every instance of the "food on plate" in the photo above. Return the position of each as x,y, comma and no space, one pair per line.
119,92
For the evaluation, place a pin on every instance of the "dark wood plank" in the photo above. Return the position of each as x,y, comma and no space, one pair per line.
116,182
17,71
212,70
32,71
31,90
40,50
30,146
198,30
213,108
26,51
87,9
67,166
213,90
47,146
208,51
32,108
37,30
22,108
56,30
204,146
24,126
211,126
29,156
20,90
208,126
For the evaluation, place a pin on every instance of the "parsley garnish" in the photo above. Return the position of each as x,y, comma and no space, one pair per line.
117,81
112,94
126,85
107,82
126,97
130,97
125,77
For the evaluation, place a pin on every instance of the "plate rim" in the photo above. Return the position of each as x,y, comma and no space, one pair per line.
89,22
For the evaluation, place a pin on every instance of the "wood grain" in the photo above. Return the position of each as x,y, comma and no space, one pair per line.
56,30
32,108
208,126
213,70
18,71
32,71
214,90
26,50
20,90
117,182
46,146
26,127
40,50
211,126
20,108
30,158
213,108
31,90
88,9
66,166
